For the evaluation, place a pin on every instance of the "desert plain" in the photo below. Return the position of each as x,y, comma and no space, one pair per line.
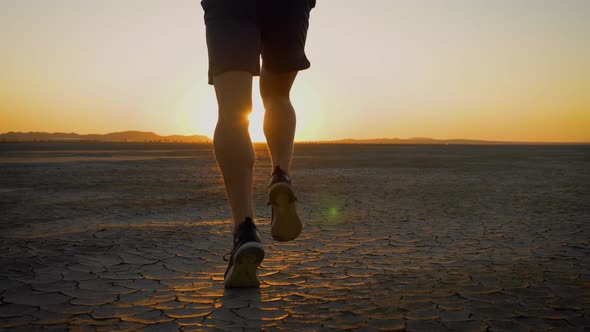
130,236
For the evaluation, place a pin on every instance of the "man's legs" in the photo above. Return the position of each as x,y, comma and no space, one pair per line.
231,142
279,116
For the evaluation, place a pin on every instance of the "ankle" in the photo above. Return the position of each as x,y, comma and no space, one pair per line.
246,222
278,169
279,175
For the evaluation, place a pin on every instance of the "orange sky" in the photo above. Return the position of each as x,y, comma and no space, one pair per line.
495,70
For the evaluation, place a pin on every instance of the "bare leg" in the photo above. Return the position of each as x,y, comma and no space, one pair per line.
279,116
231,142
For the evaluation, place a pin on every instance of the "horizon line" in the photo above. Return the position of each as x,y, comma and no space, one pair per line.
335,140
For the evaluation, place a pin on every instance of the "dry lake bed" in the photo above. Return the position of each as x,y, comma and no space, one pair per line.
120,237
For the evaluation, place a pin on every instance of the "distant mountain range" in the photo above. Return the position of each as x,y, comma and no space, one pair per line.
149,137
123,136
421,140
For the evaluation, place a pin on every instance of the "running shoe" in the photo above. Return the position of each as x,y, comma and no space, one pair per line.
285,223
245,257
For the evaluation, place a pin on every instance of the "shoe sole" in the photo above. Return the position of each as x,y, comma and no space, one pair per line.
244,271
286,225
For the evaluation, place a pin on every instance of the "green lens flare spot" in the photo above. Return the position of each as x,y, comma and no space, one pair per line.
333,211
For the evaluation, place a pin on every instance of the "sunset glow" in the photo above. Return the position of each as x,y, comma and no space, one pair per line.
494,70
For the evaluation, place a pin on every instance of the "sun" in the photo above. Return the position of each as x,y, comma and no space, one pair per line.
196,112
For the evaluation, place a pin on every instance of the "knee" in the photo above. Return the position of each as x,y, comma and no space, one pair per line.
277,103
233,117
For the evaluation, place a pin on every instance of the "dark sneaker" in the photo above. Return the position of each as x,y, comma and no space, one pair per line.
285,223
245,257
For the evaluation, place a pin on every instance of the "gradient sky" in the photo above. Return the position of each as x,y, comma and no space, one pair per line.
493,69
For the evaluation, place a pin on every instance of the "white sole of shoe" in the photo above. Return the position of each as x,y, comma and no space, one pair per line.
244,271
286,225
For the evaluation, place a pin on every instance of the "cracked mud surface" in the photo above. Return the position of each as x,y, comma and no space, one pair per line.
131,236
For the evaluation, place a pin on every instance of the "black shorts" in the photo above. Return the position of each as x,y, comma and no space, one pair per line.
239,32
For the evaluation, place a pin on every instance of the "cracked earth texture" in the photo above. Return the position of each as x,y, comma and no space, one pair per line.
119,237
